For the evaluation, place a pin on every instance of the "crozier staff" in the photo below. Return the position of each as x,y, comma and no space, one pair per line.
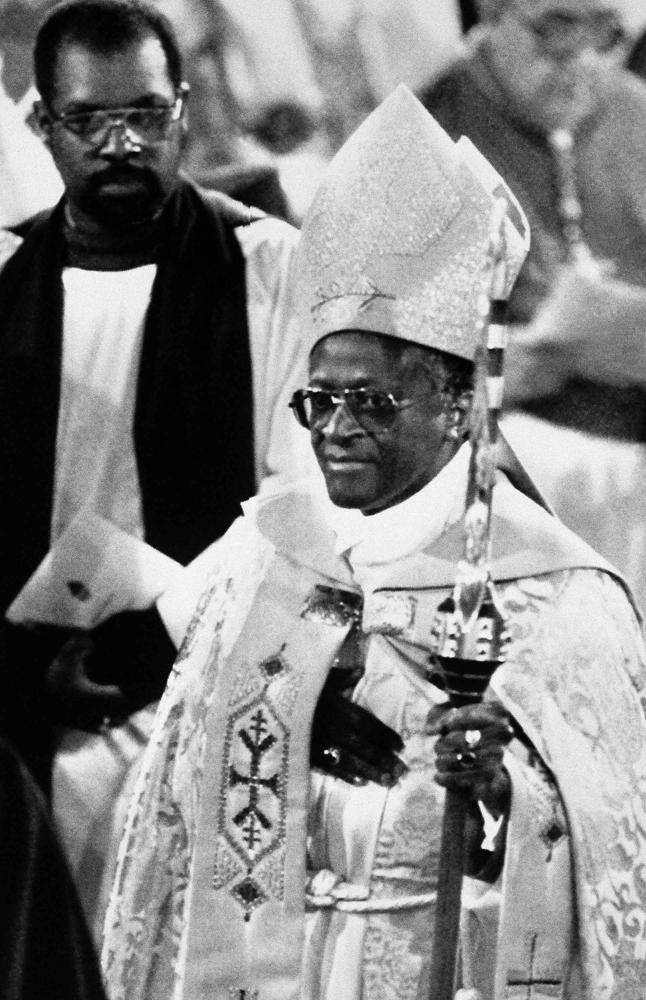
470,632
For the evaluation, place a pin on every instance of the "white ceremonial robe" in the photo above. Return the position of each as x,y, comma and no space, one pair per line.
214,895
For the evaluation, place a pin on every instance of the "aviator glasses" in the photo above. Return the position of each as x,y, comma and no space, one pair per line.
373,409
146,124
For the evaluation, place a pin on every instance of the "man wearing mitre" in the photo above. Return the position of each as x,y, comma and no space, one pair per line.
284,837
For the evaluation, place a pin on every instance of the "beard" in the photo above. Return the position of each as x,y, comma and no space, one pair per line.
122,196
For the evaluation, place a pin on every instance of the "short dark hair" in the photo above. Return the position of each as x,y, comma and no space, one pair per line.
106,26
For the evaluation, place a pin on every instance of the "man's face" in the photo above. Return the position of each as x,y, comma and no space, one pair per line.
547,55
373,470
126,177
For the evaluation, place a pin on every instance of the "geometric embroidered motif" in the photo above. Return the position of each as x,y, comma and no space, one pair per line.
252,811
274,666
249,894
551,836
227,866
254,800
270,874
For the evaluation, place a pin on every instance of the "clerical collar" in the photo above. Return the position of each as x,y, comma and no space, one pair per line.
401,530
113,251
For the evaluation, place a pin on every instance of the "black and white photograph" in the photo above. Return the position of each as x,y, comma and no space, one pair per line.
322,499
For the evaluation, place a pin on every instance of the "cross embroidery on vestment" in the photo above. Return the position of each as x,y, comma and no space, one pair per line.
521,987
257,742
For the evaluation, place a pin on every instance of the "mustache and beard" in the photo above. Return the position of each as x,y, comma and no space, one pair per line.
122,195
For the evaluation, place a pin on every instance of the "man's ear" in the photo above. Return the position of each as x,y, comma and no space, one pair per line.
457,413
184,91
43,122
463,400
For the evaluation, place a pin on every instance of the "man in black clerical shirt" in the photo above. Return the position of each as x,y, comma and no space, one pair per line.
148,351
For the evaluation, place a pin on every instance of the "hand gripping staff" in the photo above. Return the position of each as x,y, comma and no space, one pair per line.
469,634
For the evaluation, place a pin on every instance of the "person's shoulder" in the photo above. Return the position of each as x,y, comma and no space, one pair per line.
287,498
528,533
229,209
9,243
453,100
255,184
292,517
258,234
532,542
444,88
266,234
620,83
624,102
11,237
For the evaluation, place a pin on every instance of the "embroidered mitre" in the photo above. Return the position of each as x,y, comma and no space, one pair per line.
396,240
516,226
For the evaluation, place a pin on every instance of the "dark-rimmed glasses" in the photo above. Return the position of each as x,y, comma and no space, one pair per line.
600,30
146,124
373,409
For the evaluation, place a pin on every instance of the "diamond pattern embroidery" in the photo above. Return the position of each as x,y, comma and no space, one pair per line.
249,894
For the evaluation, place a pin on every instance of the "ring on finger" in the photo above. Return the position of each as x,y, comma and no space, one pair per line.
472,736
466,759
332,755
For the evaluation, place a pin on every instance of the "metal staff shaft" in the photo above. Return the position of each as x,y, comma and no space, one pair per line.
469,633
449,889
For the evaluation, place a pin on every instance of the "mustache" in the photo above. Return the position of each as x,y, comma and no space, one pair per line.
123,173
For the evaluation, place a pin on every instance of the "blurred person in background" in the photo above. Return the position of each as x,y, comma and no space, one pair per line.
29,181
542,93
148,353
300,75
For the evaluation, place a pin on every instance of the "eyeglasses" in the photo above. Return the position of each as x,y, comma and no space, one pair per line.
372,409
601,31
145,124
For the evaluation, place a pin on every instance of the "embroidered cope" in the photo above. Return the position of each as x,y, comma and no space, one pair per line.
242,875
